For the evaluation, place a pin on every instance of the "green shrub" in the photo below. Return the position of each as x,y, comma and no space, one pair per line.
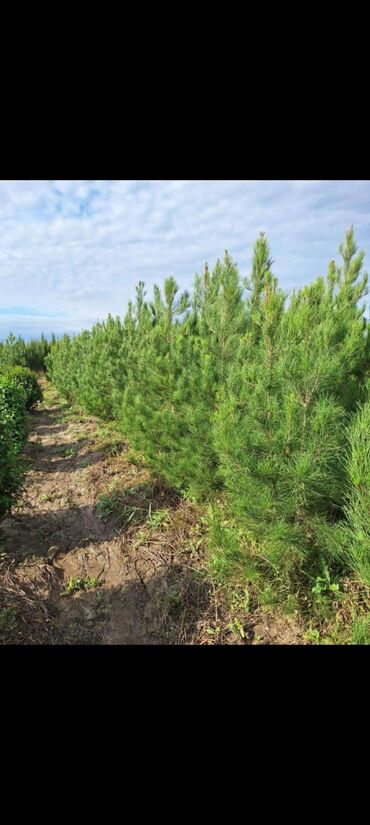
10,471
13,430
13,401
27,379
12,437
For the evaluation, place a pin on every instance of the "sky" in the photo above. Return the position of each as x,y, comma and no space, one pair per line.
72,250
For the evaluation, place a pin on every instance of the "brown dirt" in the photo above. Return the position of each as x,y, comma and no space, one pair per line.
142,546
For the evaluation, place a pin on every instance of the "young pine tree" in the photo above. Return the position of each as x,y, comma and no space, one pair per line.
280,429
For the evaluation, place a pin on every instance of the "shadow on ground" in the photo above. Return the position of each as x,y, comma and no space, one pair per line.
168,608
33,533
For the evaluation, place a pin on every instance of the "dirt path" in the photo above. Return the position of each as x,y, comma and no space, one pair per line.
97,554
92,524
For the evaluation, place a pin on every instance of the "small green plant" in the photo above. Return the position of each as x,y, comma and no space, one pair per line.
312,635
324,591
69,453
213,631
291,604
237,628
106,507
46,497
323,587
268,596
240,600
175,596
74,584
158,517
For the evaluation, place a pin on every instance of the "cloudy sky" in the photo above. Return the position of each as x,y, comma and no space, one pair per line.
72,251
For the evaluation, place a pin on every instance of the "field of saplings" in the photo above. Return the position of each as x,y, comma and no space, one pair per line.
251,404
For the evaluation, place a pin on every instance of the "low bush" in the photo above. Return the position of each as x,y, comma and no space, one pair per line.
26,379
19,391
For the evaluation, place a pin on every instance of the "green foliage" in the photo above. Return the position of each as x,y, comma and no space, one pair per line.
361,631
10,474
19,391
12,437
96,370
13,405
280,429
27,379
358,506
182,357
245,398
74,584
16,352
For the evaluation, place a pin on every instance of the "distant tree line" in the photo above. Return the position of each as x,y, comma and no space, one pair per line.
17,352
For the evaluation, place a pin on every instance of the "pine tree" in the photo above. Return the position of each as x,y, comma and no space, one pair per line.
280,433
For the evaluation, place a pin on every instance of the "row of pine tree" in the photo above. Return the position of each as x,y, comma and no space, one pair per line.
16,352
250,400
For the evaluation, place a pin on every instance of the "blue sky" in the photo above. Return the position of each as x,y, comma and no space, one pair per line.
72,251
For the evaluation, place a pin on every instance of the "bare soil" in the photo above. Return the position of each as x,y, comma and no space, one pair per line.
97,552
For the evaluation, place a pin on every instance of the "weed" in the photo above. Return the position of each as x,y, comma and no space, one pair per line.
268,596
237,628
69,453
106,506
312,635
291,604
324,591
239,599
175,596
158,517
109,505
213,631
74,584
128,513
46,497
194,546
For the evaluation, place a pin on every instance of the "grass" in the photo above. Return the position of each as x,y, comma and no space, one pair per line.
111,504
158,517
361,631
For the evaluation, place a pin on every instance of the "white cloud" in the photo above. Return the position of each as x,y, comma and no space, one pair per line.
79,247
